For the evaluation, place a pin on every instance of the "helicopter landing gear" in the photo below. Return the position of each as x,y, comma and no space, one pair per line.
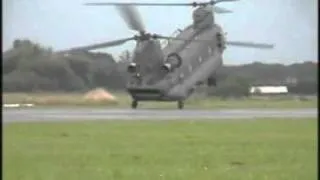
134,104
180,104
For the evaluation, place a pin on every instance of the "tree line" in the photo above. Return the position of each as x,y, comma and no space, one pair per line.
29,67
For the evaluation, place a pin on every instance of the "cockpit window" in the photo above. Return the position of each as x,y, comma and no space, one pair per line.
202,17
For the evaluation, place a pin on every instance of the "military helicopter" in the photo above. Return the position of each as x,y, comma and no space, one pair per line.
189,59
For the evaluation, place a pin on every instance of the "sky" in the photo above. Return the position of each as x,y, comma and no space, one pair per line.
291,25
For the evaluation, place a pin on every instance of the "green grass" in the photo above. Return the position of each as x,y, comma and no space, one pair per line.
124,101
275,149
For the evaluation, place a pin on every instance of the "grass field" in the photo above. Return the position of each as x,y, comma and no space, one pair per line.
275,149
124,101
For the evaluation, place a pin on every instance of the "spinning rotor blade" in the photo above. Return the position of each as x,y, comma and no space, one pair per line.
97,46
157,36
219,1
220,10
139,4
159,4
194,4
132,17
250,44
232,43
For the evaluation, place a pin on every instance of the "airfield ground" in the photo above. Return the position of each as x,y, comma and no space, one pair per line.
277,149
195,102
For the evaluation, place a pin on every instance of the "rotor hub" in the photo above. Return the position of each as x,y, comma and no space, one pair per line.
145,36
202,4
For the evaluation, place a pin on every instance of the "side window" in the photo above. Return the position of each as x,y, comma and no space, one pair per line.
209,50
181,76
220,40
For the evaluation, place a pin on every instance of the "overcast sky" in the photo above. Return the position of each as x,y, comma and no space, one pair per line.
289,24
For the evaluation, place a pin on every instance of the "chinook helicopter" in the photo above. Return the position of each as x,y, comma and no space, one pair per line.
189,59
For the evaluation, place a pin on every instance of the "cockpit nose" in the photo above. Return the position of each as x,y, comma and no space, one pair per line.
198,12
201,13
196,16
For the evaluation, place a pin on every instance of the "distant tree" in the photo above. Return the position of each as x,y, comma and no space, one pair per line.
231,87
304,87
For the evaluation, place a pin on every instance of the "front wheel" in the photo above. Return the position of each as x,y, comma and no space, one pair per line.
180,104
134,104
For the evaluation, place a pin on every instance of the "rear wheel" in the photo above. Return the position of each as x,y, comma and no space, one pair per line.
134,104
180,104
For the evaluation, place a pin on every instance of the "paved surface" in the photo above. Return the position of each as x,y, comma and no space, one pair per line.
63,114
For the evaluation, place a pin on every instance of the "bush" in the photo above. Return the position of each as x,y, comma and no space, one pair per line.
233,86
27,81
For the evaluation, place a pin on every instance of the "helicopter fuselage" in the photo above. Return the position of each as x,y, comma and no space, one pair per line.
173,72
159,78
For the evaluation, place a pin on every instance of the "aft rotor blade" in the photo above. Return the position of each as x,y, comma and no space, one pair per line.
171,38
139,4
158,4
250,44
219,1
232,43
219,10
97,46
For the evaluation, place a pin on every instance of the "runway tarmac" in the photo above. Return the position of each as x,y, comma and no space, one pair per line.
76,114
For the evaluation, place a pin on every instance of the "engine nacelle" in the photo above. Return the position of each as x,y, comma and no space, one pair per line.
132,68
212,81
172,62
221,41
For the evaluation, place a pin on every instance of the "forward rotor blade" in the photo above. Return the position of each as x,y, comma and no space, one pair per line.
97,46
132,17
250,44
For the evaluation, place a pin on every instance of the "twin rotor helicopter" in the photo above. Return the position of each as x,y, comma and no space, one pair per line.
173,72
